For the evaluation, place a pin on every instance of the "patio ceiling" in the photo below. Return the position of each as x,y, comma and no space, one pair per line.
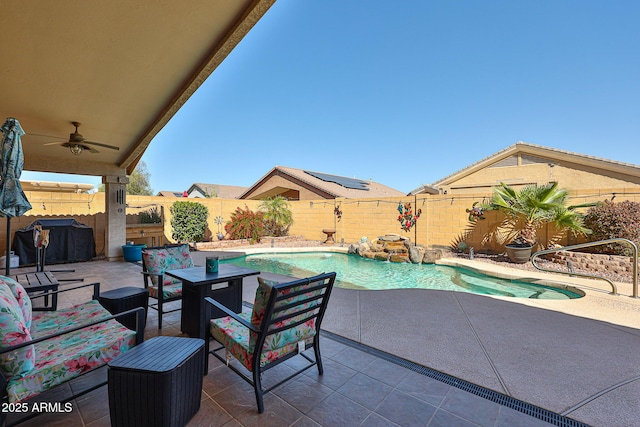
120,68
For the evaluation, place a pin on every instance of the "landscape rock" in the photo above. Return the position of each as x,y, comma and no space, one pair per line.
431,256
398,258
416,254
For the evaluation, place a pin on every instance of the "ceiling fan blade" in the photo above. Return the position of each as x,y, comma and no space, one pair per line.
45,136
89,148
100,144
54,143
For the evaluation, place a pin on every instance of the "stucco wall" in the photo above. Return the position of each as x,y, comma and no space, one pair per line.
279,182
443,217
568,175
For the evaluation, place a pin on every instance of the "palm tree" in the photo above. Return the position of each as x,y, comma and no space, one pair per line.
277,215
535,205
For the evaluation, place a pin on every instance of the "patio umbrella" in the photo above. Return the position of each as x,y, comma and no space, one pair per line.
13,202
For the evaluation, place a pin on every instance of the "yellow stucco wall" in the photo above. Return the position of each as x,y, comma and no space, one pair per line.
570,176
443,217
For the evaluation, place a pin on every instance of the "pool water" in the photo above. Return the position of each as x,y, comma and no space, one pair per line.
355,272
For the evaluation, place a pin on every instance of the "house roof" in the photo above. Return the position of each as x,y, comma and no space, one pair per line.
540,151
331,185
222,191
170,193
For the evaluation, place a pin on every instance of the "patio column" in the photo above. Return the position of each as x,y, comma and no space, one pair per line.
116,227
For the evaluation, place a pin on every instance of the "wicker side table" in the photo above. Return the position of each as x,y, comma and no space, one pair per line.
157,383
122,299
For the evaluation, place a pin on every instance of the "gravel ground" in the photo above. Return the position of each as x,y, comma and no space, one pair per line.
501,260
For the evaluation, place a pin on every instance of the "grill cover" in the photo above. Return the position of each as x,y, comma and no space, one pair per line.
69,241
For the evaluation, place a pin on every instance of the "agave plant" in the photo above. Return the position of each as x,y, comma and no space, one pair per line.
532,206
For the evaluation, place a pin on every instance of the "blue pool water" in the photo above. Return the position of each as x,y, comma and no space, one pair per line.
355,272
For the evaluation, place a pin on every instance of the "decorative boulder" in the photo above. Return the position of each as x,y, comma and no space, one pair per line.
416,254
381,256
353,249
398,258
390,238
431,256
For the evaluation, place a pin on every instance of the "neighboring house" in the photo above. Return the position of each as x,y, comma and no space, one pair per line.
199,190
524,163
298,184
170,193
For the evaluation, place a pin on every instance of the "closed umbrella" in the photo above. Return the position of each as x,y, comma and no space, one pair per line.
13,202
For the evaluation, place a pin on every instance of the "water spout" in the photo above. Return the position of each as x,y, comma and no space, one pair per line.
471,252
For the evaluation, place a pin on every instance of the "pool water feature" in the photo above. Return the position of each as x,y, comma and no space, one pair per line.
355,272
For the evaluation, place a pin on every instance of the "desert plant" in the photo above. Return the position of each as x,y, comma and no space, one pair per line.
533,206
245,224
151,216
611,220
189,221
277,216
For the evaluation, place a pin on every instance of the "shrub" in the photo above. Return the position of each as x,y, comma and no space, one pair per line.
245,224
152,216
189,221
614,220
277,216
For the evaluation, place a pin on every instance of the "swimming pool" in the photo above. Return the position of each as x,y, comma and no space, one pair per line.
355,272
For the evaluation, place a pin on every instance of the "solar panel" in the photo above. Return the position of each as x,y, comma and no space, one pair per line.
356,184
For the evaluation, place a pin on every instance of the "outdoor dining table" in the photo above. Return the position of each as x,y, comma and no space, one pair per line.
225,286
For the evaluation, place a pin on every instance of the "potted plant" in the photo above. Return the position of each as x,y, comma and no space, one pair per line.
529,208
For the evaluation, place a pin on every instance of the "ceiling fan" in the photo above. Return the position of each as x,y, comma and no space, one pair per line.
77,143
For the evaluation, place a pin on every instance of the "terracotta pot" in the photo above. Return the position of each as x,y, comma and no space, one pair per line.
518,253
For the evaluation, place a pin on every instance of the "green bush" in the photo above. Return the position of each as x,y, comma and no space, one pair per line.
614,220
152,216
245,224
189,221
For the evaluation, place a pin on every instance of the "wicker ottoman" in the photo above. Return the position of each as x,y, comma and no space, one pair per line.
123,299
157,383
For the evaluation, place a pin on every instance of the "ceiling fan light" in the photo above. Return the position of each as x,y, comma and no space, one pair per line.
75,149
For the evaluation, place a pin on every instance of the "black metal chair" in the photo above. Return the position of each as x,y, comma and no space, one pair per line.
285,320
155,261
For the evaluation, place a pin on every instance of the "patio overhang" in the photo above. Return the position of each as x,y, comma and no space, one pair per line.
121,69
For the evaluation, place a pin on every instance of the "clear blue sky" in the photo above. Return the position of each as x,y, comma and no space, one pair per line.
407,92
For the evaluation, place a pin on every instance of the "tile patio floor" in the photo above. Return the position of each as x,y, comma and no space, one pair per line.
360,386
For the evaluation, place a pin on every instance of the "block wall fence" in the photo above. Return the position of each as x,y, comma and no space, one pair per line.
442,223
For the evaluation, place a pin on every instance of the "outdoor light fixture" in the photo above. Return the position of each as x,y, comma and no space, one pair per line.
75,149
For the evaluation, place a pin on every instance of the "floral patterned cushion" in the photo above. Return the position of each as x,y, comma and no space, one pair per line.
21,296
240,341
158,261
168,291
13,331
299,333
63,358
235,337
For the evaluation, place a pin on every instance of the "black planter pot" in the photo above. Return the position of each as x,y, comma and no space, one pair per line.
519,254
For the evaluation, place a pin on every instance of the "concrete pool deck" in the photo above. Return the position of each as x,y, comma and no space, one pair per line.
578,358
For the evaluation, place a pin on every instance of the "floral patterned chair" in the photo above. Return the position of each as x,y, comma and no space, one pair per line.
164,289
285,320
41,350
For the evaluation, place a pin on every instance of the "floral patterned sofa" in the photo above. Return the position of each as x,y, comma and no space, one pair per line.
40,350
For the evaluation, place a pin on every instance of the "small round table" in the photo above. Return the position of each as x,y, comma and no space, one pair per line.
329,232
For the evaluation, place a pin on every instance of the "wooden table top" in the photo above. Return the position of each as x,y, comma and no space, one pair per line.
37,279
